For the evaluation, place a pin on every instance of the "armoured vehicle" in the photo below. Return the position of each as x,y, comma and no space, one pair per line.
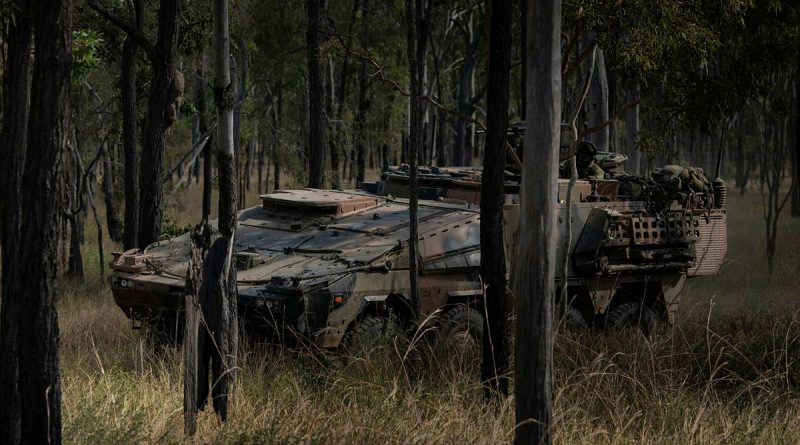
324,264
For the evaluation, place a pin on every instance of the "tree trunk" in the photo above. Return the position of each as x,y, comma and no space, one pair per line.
217,341
16,108
415,44
463,153
261,162
741,160
796,153
29,344
98,225
251,154
361,124
160,117
632,135
130,131
208,147
316,160
226,329
597,104
240,91
534,268
361,113
112,214
74,176
494,369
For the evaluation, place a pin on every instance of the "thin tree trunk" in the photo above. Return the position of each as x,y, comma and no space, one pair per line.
361,124
415,45
239,93
76,214
316,160
251,154
597,104
98,224
208,148
130,130
632,135
494,369
113,222
741,171
534,268
795,207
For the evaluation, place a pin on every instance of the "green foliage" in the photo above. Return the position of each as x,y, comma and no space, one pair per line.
85,53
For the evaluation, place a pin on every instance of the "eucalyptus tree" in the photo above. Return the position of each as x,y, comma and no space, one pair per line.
535,263
494,369
316,153
31,385
166,86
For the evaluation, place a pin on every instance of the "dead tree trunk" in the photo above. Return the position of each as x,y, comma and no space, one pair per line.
494,369
534,268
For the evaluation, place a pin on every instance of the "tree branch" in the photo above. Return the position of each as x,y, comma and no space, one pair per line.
570,68
396,86
129,29
195,150
610,120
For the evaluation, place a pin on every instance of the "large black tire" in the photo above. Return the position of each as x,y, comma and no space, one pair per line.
631,314
459,339
572,320
370,332
460,323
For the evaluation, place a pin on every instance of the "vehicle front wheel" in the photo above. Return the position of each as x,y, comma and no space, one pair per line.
460,336
371,332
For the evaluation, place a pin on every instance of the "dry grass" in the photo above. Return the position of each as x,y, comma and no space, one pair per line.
728,372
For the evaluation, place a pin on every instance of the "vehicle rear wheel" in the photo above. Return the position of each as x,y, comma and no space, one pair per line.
632,314
460,337
461,324
572,319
